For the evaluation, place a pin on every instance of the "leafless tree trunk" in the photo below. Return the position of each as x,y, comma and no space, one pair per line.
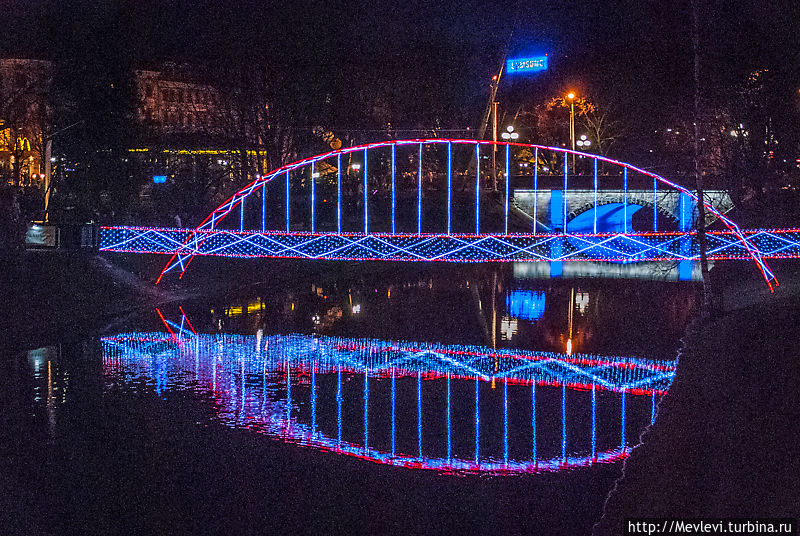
698,175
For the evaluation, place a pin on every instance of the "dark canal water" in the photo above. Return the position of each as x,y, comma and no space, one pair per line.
328,399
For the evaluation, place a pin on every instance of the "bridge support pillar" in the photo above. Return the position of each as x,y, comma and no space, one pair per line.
684,213
558,225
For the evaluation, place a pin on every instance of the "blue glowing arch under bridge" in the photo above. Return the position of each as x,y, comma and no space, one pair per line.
306,209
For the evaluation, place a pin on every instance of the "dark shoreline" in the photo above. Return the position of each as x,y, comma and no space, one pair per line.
726,440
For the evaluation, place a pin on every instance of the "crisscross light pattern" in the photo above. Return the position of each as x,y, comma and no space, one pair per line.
257,382
309,235
616,247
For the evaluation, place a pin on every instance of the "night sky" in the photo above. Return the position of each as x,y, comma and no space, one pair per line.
432,61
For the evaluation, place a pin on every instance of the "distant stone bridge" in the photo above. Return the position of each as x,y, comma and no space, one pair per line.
550,206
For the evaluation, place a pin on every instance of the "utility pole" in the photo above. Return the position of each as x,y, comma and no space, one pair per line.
48,154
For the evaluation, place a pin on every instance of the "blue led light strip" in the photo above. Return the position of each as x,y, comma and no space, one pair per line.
419,414
393,189
313,402
655,205
622,423
288,203
419,192
288,390
653,409
535,184
505,420
595,196
477,188
394,426
264,206
625,196
312,196
339,403
564,423
366,196
566,175
449,181
338,193
594,421
508,180
449,429
241,214
533,422
366,408
477,422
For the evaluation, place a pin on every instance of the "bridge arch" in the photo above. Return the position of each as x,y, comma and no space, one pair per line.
641,212
359,158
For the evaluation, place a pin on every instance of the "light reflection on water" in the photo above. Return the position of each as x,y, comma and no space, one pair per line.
449,408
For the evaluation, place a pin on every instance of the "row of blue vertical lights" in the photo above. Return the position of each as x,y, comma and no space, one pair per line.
563,244
218,360
262,183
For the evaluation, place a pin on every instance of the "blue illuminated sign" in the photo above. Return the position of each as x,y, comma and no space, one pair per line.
159,179
526,65
527,304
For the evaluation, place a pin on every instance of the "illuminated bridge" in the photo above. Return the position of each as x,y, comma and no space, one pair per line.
463,409
422,200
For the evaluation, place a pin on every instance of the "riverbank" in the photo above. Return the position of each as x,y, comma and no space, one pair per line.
52,295
726,441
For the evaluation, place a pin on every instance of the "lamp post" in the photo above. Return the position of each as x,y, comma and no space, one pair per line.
571,97
48,159
583,143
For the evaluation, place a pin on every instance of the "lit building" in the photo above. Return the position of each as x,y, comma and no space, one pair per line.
173,100
180,118
189,126
24,108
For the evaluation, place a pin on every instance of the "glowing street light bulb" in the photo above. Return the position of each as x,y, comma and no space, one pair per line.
571,97
509,134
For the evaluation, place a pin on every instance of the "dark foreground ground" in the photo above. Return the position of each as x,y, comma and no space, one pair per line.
726,442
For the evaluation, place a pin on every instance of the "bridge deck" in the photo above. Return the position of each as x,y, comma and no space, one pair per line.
619,247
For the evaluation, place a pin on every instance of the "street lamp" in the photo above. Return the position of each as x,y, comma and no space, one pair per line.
571,97
584,143
509,134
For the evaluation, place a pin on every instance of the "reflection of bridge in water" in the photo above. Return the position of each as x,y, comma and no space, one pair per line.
412,405
297,211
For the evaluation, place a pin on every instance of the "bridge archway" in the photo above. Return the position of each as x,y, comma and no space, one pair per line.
304,237
617,217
